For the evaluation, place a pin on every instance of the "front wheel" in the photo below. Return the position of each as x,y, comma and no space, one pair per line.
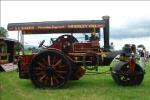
50,69
123,76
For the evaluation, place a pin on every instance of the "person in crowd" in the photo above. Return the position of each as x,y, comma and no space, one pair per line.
143,58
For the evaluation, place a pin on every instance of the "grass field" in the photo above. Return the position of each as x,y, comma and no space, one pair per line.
90,87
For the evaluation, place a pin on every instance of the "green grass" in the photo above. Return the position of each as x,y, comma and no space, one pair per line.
26,52
90,87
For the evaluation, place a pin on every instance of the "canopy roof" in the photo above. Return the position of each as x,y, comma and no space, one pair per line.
76,26
7,39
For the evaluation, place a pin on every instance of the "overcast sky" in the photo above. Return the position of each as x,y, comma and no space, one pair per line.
129,20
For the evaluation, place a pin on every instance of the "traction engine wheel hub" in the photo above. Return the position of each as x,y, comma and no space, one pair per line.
50,71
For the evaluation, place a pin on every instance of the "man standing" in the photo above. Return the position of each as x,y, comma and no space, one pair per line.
143,58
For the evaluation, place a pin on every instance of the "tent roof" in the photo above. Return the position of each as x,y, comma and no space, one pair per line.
7,39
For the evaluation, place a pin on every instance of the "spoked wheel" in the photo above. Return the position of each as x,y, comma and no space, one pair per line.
123,76
49,69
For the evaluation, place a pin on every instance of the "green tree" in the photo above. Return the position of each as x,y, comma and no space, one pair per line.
141,46
3,32
19,46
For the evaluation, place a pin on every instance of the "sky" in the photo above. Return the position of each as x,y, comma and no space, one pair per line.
129,20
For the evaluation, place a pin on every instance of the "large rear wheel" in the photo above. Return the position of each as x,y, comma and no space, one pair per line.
50,69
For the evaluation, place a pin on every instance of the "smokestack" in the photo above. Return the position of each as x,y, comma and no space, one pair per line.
106,32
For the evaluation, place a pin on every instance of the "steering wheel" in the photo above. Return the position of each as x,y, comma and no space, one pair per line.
41,44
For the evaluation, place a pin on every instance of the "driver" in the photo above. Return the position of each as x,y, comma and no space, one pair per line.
94,39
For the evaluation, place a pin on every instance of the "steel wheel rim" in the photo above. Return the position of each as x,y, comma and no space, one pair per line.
50,70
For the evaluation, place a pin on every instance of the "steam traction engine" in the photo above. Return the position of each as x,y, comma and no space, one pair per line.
67,58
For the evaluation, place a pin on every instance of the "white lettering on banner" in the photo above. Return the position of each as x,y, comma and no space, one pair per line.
59,26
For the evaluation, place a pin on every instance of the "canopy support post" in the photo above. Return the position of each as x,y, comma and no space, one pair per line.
22,41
